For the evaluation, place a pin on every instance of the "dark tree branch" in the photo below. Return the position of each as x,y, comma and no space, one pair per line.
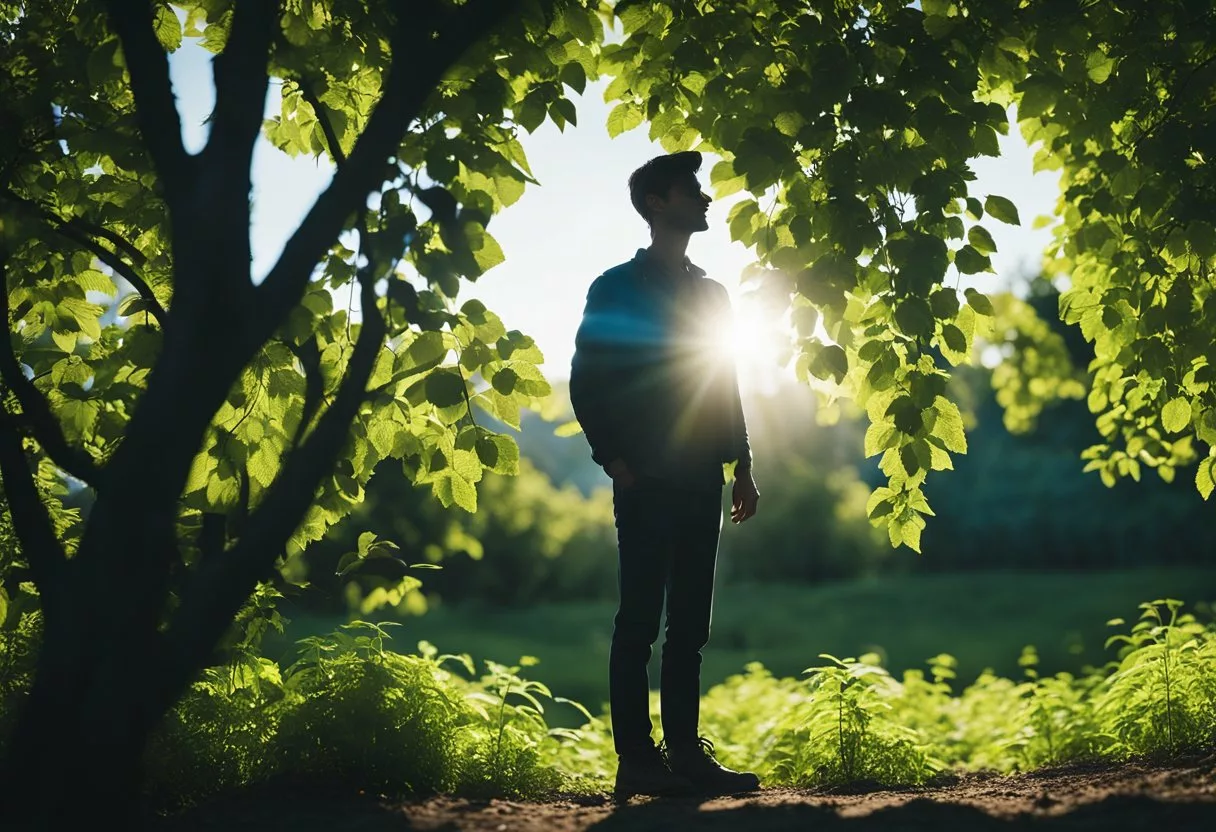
211,535
31,520
119,242
79,231
419,62
155,108
120,268
314,384
224,581
219,587
240,88
36,410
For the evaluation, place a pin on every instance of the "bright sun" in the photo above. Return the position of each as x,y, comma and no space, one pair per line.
754,341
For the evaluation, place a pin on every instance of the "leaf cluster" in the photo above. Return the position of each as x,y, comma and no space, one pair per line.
852,132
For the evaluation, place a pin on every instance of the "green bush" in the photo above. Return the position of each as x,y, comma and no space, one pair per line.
353,713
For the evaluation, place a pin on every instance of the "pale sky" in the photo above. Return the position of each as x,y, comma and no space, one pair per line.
579,222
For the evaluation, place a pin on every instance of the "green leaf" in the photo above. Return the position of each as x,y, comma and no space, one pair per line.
579,22
955,340
1204,476
1038,96
880,504
499,453
910,532
530,112
570,428
1002,209
489,254
167,27
879,437
948,427
452,489
423,353
914,317
564,109
624,117
504,381
1176,415
944,303
264,463
789,123
970,261
906,415
574,76
986,142
981,240
445,388
831,361
1099,66
979,302
464,493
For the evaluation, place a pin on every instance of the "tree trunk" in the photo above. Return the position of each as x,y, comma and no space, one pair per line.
75,753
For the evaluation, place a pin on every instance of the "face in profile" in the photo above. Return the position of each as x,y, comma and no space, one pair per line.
684,209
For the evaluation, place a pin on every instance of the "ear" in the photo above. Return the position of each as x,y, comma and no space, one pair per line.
655,203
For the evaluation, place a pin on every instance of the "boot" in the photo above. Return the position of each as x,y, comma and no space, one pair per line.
646,772
695,761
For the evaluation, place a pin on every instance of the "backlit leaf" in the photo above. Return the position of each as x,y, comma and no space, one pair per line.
1002,209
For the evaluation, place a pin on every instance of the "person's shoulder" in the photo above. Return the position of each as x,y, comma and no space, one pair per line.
712,287
612,279
620,272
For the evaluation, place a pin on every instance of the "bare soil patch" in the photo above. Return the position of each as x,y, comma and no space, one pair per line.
1178,795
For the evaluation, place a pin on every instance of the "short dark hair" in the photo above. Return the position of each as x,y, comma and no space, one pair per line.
658,175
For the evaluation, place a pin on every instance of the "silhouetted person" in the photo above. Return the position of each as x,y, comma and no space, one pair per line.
659,403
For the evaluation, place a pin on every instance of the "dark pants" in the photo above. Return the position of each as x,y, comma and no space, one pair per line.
667,540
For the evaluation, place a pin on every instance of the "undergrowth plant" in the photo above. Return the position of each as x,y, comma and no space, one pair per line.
1161,696
350,712
854,716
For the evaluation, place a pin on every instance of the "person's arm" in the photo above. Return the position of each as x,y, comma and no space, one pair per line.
593,375
745,496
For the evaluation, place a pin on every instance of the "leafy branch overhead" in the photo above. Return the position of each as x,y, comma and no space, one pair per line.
857,128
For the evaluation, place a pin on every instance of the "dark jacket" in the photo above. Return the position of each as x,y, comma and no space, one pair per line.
650,382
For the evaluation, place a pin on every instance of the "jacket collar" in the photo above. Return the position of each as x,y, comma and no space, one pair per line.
647,264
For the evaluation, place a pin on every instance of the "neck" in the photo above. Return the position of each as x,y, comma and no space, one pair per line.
669,248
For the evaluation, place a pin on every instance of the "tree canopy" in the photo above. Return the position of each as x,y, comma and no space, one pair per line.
852,126
222,423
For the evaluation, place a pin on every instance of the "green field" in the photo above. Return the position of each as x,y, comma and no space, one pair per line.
983,619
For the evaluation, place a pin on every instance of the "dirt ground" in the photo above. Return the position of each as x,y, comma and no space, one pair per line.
1180,795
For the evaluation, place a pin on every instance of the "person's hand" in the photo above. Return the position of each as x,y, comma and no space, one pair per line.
744,497
620,473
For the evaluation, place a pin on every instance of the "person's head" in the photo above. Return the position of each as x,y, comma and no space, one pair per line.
665,191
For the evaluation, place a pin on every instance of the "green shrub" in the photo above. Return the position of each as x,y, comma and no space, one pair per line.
352,712
1162,694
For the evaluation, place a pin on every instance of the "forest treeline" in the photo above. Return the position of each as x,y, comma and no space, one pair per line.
1018,500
